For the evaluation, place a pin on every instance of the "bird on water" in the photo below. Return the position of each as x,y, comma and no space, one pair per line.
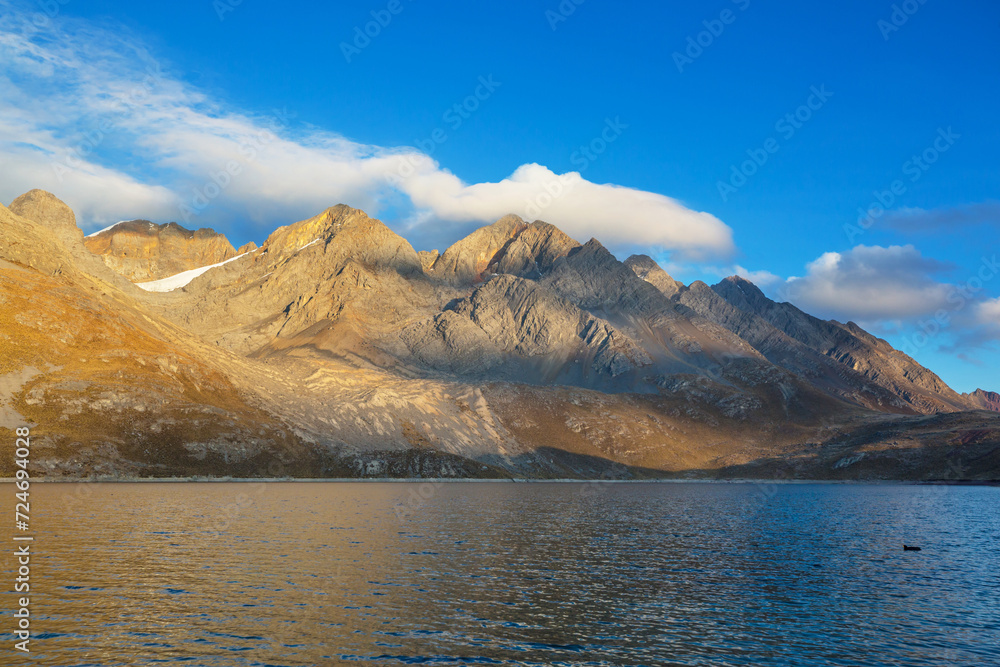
908,548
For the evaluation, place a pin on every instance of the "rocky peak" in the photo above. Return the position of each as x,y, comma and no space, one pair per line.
984,400
596,248
533,251
322,226
508,246
741,293
646,268
468,259
142,250
28,243
593,278
850,345
49,211
343,233
700,287
39,230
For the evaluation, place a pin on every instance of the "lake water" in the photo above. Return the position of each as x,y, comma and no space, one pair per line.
510,574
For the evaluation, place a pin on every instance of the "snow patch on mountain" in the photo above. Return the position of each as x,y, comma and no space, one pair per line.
101,231
170,283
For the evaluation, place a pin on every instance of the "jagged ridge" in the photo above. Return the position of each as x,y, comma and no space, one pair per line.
367,349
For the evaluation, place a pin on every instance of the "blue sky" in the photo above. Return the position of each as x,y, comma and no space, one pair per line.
132,109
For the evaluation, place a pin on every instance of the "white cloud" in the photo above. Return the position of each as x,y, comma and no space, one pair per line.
90,115
613,214
761,278
988,313
870,283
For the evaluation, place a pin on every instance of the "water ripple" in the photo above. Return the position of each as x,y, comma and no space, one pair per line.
526,574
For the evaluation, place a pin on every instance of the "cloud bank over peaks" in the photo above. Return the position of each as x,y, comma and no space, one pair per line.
613,214
91,115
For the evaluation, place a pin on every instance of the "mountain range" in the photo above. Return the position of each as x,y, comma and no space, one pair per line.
336,350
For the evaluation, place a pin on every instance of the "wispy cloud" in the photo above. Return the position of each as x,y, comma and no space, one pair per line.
950,218
91,115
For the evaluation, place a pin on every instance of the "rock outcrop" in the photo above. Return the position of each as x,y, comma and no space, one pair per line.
466,261
509,245
39,231
428,258
143,251
779,348
852,347
50,212
678,338
646,268
984,400
512,328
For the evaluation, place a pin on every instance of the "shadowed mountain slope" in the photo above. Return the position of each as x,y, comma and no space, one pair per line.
877,361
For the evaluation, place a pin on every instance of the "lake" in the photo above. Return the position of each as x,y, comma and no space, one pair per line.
279,573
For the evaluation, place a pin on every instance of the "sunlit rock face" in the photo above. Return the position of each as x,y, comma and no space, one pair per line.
142,251
985,400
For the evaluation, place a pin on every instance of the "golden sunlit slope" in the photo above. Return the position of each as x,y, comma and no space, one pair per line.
113,389
108,387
